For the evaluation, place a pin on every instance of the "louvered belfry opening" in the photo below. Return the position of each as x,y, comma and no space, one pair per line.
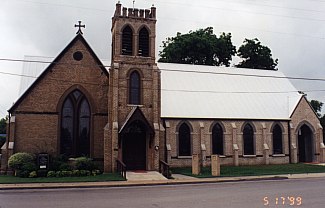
143,42
127,42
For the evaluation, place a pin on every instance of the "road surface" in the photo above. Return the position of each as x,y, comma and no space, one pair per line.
278,193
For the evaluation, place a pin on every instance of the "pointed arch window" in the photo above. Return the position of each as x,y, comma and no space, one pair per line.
75,125
217,139
277,139
143,42
184,140
248,137
127,41
135,88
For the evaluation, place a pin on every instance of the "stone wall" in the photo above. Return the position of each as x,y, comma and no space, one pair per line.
119,107
201,133
304,114
37,116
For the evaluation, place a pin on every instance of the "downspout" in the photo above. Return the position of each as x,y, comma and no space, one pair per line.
165,140
7,142
289,140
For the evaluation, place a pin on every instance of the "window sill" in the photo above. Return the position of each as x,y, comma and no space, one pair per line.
184,157
221,156
278,155
249,156
133,105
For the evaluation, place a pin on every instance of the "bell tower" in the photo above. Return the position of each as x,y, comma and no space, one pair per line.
133,34
134,92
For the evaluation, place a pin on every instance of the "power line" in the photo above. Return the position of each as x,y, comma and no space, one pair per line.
175,3
230,92
251,3
161,69
248,28
209,7
48,62
247,75
65,5
189,71
250,12
171,90
2,109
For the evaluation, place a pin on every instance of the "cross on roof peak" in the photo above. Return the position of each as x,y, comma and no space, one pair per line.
79,25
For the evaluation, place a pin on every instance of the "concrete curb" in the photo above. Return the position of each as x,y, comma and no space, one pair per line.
151,183
128,183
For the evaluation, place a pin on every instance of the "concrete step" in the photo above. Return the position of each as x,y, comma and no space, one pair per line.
144,176
182,177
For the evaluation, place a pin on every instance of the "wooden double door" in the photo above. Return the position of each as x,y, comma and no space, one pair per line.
134,145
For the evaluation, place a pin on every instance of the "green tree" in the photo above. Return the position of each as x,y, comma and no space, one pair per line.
200,47
317,106
256,56
322,122
3,125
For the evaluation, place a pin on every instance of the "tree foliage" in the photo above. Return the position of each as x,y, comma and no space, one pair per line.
317,106
256,56
322,122
3,125
200,47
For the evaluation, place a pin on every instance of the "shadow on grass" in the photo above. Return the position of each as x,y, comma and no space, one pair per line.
98,178
258,170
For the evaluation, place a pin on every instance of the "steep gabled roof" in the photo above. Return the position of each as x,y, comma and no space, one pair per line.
136,115
304,98
56,60
209,92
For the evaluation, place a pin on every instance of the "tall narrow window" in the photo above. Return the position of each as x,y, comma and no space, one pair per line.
217,140
184,140
67,132
134,88
75,125
127,41
277,140
248,137
84,120
143,42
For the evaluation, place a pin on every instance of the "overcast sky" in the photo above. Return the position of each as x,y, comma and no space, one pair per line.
293,29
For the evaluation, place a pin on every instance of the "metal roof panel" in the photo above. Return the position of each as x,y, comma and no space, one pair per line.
196,91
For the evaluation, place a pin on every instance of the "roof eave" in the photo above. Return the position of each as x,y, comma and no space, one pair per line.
52,64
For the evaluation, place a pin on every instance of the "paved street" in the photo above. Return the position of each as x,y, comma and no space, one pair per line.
307,192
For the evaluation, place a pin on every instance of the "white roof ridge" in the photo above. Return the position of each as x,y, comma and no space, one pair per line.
197,91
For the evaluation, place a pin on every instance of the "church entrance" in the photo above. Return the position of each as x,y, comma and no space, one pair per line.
134,145
305,144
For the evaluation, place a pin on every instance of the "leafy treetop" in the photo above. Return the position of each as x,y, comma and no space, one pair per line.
256,56
3,124
317,106
200,47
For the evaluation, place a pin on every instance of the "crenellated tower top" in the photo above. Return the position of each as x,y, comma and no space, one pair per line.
135,12
133,34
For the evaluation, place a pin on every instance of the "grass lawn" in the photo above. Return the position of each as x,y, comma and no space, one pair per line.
227,171
97,178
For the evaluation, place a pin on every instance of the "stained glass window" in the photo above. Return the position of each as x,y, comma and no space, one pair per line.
75,125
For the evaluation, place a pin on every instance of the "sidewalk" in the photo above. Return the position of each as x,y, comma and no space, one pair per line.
179,180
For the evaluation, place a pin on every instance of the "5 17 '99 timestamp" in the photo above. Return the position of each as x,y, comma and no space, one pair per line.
283,200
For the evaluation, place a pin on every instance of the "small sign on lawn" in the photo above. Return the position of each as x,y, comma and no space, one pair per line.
43,161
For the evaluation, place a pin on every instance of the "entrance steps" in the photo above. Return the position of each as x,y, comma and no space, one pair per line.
144,176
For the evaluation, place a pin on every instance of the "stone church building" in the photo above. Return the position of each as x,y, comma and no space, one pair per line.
141,112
